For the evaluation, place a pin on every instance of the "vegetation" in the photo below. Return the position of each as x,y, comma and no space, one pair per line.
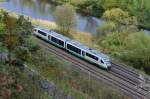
138,8
113,37
122,39
15,35
65,18
79,85
17,84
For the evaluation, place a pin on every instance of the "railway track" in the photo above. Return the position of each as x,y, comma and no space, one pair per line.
131,76
113,77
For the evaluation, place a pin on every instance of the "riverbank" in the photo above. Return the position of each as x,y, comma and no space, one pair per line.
81,7
97,8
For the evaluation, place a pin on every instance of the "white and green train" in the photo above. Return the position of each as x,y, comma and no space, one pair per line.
74,47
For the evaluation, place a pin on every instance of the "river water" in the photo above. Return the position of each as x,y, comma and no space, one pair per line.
41,9
44,10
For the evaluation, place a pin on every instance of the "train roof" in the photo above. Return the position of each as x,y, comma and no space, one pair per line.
100,54
55,34
89,50
79,45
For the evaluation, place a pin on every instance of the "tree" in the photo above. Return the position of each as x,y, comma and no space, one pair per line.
8,37
140,9
22,54
117,21
137,50
65,17
119,16
118,25
123,39
16,37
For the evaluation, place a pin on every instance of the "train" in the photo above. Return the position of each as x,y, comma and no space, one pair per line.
93,56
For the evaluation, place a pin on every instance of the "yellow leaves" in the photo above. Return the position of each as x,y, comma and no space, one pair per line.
9,21
65,18
119,16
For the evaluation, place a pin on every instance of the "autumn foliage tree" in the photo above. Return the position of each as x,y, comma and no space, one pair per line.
65,17
14,37
8,37
124,40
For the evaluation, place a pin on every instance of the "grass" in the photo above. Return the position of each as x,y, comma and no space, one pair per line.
69,79
44,23
52,74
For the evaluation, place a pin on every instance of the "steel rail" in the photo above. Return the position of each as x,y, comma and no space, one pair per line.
138,94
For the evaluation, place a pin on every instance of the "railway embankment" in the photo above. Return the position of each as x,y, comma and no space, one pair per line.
73,83
57,71
78,36
71,79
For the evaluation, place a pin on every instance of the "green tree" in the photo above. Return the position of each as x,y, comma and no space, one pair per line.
65,17
137,50
1,22
118,25
118,20
8,37
123,39
119,16
16,37
92,7
140,9
22,54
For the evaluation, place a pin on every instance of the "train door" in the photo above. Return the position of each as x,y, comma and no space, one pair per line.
83,53
49,37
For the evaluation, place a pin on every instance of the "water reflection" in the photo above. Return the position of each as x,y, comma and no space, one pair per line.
146,31
43,9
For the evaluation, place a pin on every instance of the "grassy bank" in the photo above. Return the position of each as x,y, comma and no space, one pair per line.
70,80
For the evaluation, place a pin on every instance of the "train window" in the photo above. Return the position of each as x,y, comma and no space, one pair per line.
57,41
92,56
72,48
49,37
102,61
83,53
42,33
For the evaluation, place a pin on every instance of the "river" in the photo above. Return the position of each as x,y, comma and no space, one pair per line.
44,10
40,9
